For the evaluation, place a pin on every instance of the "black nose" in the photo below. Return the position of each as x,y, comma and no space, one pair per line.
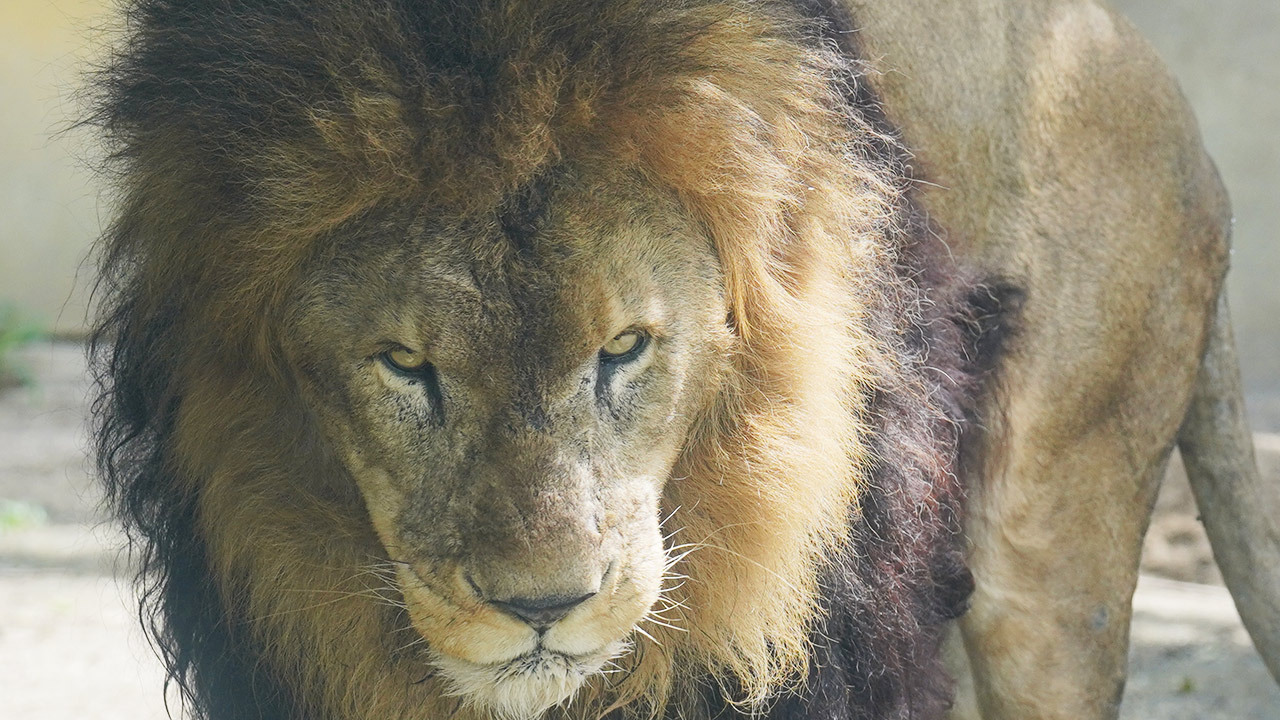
541,612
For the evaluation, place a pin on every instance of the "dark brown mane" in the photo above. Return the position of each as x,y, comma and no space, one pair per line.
245,132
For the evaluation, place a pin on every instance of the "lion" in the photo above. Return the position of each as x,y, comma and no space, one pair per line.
521,359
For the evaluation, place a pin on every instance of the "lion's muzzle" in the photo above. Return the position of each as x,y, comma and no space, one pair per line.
518,655
541,612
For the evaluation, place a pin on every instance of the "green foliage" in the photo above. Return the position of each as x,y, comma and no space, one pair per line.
14,333
20,515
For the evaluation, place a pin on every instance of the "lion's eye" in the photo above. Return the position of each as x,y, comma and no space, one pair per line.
624,346
405,360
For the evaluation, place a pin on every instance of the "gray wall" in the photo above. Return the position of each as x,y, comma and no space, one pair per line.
1226,52
48,204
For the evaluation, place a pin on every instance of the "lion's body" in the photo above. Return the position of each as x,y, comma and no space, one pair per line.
361,403
1067,162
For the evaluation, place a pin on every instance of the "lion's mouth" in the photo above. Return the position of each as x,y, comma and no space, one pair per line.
541,662
525,686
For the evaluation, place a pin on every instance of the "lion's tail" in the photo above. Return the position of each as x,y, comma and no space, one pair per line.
1241,512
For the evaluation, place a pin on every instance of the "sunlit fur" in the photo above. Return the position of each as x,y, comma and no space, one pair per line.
247,135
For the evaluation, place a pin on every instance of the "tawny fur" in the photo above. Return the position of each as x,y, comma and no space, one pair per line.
247,134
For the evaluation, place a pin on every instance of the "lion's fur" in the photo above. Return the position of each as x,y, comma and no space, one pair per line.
247,133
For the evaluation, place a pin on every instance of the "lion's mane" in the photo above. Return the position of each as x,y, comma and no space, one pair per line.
245,133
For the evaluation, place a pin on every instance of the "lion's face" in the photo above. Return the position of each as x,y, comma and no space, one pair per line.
509,402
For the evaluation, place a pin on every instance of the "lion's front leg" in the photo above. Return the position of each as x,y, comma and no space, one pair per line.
1070,467
1056,565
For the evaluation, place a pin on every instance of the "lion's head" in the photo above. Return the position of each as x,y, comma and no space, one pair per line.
488,358
509,394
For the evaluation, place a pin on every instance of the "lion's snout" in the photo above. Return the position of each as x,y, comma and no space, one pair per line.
518,637
541,612
539,600
536,572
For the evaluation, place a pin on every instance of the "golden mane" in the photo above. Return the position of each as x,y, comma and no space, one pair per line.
230,185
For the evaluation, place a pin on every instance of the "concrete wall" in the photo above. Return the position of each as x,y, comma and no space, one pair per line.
48,205
1226,53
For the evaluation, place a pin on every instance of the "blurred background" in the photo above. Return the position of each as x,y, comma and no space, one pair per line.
64,615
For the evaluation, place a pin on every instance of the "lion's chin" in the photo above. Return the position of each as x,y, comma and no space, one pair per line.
525,687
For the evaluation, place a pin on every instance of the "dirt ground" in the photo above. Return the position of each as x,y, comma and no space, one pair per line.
70,647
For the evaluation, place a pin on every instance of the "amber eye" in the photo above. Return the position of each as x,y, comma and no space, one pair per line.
405,360
624,346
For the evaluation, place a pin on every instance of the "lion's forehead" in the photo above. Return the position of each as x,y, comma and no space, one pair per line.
527,312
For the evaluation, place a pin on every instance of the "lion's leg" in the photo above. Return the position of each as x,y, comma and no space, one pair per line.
1056,563
1072,464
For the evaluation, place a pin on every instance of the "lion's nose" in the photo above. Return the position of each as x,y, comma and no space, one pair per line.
542,612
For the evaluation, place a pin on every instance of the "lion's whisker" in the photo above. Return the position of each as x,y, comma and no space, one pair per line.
663,521
789,585
653,619
642,631
681,580
412,644
665,609
670,603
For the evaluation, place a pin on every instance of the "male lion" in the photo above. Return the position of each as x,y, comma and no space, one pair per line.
533,358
